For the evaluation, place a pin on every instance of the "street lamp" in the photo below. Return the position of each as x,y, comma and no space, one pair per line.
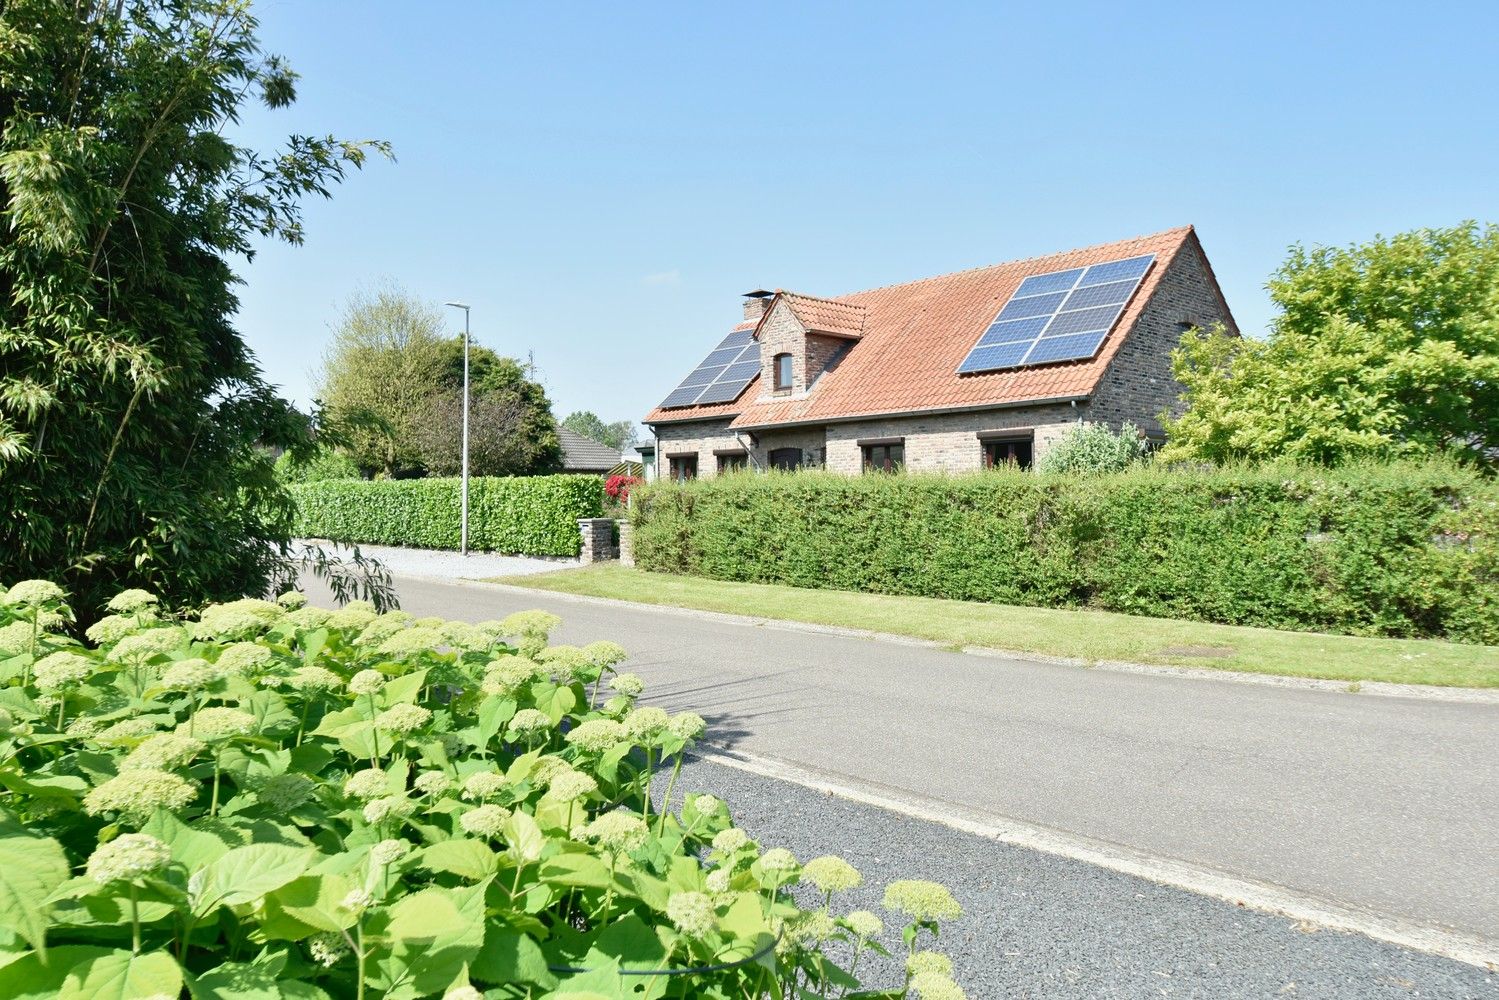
463,538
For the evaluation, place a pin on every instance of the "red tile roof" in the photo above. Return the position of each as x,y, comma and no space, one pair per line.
841,319
915,335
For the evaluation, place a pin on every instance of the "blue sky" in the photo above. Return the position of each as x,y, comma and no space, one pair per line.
601,182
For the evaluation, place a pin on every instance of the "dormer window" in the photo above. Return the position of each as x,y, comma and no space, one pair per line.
782,372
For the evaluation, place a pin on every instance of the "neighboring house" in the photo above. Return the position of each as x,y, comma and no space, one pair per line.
585,455
951,373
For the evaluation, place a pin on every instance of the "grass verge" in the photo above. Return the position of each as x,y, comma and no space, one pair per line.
1086,635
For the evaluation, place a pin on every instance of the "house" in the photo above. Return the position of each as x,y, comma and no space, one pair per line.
952,373
585,455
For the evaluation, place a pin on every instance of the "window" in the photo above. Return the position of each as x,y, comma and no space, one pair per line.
786,459
782,372
884,457
731,461
683,467
1002,452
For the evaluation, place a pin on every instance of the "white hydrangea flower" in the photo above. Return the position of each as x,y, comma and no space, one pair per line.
292,600
629,685
136,794
604,653
127,858
730,840
366,682
597,735
126,731
617,831
687,726
313,679
347,617
570,785
929,961
33,594
308,617
141,646
864,924
403,718
61,671
379,810
718,880
483,785
707,805
162,752
506,677
130,601
778,859
412,641
83,727
357,900
921,900
219,723
431,782
831,873
370,783
931,986
327,948
285,792
243,658
485,821
691,912
192,674
528,723
645,724
15,639
388,852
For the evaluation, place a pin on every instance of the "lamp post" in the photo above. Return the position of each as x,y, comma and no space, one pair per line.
463,537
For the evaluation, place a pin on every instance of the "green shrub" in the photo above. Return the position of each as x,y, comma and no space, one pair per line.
1400,550
535,515
276,801
325,465
1095,448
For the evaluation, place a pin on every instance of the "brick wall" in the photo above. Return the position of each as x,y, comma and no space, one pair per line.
703,437
947,442
782,333
1138,385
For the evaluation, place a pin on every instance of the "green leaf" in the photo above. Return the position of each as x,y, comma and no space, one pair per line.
525,841
193,848
30,869
559,704
245,874
436,933
494,712
575,869
30,977
306,905
467,858
510,957
236,981
405,688
120,975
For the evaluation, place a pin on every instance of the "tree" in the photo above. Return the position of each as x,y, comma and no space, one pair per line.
388,358
511,428
1093,448
132,414
618,435
1386,349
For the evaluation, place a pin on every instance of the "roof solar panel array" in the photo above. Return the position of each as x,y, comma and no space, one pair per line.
722,375
1058,316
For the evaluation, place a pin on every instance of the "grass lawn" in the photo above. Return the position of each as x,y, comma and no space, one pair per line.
1087,635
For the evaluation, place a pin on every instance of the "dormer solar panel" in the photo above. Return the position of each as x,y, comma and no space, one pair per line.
1058,316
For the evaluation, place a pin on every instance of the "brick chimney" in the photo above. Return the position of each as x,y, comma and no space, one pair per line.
756,302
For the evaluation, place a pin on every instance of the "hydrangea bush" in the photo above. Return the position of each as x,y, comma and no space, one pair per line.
271,800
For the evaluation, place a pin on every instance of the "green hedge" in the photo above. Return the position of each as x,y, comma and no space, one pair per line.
535,515
1401,550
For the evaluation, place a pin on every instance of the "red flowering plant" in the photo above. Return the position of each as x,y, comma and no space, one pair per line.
618,488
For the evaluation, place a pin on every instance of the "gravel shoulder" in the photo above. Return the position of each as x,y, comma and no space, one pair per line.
1037,925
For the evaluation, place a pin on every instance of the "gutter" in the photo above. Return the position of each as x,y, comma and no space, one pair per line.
925,411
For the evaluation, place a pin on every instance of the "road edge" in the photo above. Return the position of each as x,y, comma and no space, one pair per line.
1380,689
1263,897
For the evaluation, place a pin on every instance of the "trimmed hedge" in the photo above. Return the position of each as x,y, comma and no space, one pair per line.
533,515
1399,550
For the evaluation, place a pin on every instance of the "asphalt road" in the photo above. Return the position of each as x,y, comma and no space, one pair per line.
1039,926
1385,805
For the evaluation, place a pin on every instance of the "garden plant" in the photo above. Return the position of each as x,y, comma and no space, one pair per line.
270,800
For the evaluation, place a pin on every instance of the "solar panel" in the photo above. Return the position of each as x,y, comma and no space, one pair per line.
1058,316
722,375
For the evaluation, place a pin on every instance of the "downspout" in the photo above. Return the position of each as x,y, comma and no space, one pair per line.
749,449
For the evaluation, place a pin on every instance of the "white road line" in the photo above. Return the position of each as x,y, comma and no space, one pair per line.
1256,895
